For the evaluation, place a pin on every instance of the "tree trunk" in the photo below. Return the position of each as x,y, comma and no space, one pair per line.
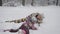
32,2
48,2
23,2
0,2
57,2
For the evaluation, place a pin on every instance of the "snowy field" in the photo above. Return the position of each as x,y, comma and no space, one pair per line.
50,25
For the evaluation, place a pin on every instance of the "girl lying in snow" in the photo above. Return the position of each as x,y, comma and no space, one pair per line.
29,23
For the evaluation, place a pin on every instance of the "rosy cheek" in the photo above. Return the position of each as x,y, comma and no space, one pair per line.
30,24
39,17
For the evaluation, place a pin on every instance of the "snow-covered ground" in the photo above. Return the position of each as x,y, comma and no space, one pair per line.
50,25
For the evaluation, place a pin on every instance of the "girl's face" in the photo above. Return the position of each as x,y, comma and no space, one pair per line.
39,17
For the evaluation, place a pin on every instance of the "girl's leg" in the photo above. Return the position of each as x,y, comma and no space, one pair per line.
12,30
7,30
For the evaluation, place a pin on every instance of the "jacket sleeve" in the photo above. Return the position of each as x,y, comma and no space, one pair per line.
18,20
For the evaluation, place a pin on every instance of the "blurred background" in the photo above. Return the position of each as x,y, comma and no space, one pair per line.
16,3
50,25
16,9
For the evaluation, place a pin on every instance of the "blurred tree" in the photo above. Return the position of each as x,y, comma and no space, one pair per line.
23,2
32,2
57,2
48,2
0,2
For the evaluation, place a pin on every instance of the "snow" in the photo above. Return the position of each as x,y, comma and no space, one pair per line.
50,25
